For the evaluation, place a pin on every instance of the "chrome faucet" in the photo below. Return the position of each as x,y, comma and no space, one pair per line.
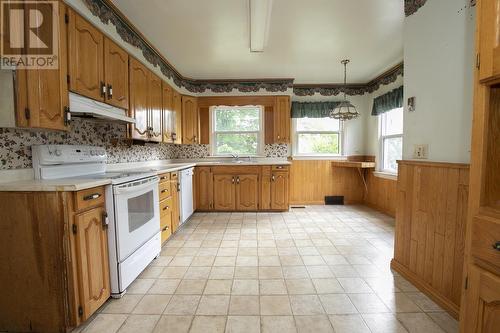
235,157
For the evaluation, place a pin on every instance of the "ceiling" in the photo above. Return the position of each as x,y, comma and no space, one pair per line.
209,39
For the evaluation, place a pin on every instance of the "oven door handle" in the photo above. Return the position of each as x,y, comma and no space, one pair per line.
136,188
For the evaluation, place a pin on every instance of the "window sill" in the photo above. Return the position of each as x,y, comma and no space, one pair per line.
318,157
386,175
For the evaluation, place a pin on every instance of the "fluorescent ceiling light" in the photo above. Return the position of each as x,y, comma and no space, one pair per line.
260,20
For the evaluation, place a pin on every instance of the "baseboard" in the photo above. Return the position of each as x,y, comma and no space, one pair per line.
379,209
433,294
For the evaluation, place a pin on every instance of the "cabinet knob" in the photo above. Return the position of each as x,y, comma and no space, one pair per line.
237,180
273,178
496,246
110,91
103,89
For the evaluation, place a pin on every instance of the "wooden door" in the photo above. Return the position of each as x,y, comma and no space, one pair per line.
42,94
489,43
116,74
177,108
247,192
168,114
190,126
282,120
176,209
86,64
482,302
92,257
139,82
155,108
279,190
204,188
224,192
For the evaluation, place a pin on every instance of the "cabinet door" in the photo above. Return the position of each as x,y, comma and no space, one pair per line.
92,257
247,192
176,209
204,188
190,126
139,81
265,186
116,74
42,94
166,218
224,192
482,302
168,114
279,190
282,120
489,48
177,108
86,64
155,108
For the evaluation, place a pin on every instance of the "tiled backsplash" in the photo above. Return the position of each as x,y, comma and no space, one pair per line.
15,144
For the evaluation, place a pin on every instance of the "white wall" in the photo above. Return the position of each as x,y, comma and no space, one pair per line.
439,61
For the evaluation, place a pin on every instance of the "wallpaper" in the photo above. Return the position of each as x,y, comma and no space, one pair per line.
15,144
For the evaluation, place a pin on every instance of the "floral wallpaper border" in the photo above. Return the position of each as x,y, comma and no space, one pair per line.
412,6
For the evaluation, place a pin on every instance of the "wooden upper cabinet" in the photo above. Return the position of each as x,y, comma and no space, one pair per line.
281,120
168,114
155,108
86,51
116,74
204,188
279,190
42,94
139,100
177,108
247,192
92,256
190,123
224,192
489,43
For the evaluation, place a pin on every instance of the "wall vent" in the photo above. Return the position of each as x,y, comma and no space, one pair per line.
334,200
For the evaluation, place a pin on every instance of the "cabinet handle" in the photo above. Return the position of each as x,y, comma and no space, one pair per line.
103,89
238,180
164,228
166,207
91,196
163,178
273,178
232,181
163,191
496,246
178,187
105,220
110,91
195,139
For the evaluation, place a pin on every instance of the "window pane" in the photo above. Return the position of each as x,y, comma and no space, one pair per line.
237,119
318,124
241,144
392,122
393,148
327,143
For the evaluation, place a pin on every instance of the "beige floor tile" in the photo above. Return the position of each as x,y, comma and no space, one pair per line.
291,261
306,305
203,261
182,305
295,272
247,251
300,286
221,273
227,252
181,261
218,287
275,305
269,261
398,302
151,272
196,273
122,305
174,272
177,324
191,287
225,261
424,302
445,321
344,271
243,324
152,304
243,273
337,304
109,323
313,324
140,286
213,305
348,323
383,323
313,260
281,324
267,251
354,285
208,324
418,322
272,287
245,287
164,286
270,273
139,323
244,305
320,272
327,286
368,303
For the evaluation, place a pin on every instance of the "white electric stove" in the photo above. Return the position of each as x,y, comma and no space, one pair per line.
132,204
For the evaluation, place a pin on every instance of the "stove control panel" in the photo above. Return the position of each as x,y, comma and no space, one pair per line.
67,154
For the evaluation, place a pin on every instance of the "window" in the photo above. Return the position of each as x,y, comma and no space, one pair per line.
317,136
236,130
391,139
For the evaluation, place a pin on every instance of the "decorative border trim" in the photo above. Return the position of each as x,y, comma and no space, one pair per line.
412,6
107,12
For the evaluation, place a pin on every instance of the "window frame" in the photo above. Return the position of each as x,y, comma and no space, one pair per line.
213,133
295,139
382,138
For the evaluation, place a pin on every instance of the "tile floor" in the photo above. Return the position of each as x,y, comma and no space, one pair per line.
319,269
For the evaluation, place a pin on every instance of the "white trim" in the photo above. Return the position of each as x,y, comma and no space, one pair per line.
386,175
381,139
320,157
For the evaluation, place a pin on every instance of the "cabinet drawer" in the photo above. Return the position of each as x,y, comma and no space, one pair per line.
280,167
486,239
164,190
166,231
165,177
91,197
166,207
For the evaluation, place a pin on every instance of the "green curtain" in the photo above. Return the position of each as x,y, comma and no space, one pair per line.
386,102
312,109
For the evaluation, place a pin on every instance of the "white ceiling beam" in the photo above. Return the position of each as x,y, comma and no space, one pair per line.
260,21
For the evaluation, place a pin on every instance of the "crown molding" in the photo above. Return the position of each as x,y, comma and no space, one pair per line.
108,13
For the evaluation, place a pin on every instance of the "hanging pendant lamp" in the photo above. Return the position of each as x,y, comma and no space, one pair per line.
344,110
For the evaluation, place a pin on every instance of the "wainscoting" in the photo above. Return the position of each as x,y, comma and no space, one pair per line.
382,194
430,228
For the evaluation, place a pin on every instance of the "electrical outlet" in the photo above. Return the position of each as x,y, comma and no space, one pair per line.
421,151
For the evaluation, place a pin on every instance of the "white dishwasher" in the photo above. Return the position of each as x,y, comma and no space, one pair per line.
186,196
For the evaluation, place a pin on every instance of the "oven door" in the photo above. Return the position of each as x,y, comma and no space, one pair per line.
137,214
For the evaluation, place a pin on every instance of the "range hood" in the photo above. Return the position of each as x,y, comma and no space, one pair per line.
80,106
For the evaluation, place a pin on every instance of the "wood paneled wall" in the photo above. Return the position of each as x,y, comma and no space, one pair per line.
382,194
312,180
430,228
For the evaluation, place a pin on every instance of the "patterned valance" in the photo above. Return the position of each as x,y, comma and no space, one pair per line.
386,102
312,109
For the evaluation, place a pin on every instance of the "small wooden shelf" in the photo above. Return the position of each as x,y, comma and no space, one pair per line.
353,164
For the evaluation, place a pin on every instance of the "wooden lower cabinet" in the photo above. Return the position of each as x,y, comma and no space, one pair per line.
169,205
203,188
224,192
174,188
279,190
247,192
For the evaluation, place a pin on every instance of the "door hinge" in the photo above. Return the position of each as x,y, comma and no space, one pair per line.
466,282
80,311
66,18
478,61
74,228
67,115
27,113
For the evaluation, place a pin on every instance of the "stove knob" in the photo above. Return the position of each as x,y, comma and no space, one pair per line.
58,152
92,152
